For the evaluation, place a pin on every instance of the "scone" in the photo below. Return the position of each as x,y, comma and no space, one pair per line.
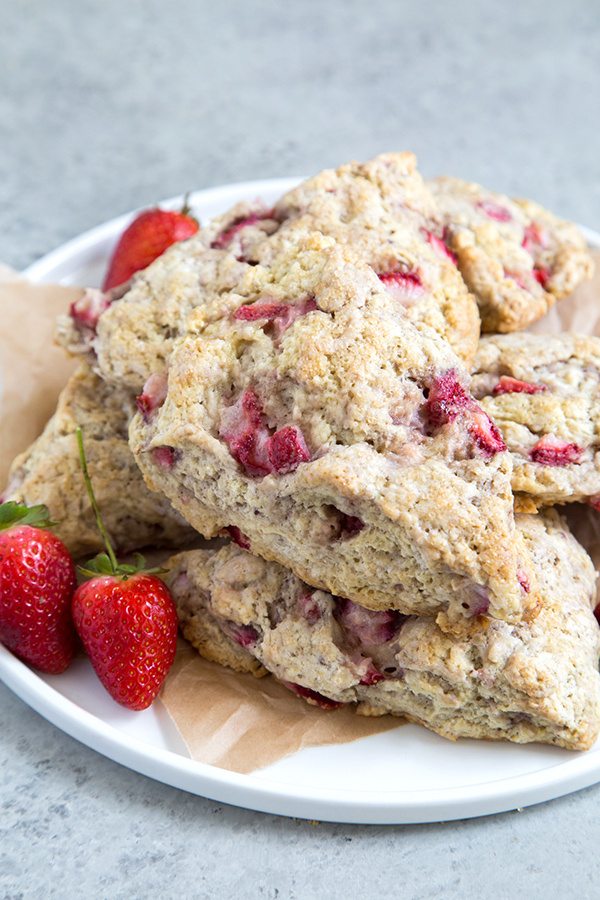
305,410
49,472
516,257
385,212
535,681
382,208
543,392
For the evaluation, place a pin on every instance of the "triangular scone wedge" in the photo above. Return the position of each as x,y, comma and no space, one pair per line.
515,256
543,392
49,472
306,411
382,208
535,681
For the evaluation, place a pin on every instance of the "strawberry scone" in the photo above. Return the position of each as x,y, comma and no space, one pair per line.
516,257
127,334
385,212
382,208
534,681
305,411
49,472
543,392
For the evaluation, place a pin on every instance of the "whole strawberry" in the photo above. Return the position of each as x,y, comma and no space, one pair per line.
145,239
128,627
126,620
37,581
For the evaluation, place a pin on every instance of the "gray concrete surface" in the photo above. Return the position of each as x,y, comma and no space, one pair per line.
109,105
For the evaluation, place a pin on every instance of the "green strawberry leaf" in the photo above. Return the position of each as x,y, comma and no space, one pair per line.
12,514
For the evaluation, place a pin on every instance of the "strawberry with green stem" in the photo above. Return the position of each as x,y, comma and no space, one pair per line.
37,582
125,617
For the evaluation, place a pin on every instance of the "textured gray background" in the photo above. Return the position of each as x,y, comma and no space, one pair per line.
109,105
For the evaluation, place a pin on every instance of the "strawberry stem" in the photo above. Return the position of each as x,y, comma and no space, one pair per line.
96,509
186,208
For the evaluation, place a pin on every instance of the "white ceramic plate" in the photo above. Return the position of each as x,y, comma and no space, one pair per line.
402,776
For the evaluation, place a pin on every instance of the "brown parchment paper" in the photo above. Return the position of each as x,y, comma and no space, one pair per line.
234,721
229,720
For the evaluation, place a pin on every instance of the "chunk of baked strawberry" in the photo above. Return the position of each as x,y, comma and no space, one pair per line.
165,457
403,286
523,580
245,635
309,608
508,385
87,309
246,434
484,432
238,537
222,241
280,315
286,449
447,399
541,275
371,674
369,627
534,237
154,394
477,602
313,697
552,451
494,210
440,246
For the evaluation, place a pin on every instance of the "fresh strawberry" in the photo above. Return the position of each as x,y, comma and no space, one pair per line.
508,385
126,620
37,581
552,451
145,239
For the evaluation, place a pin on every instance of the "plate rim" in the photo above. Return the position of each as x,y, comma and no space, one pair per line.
276,797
